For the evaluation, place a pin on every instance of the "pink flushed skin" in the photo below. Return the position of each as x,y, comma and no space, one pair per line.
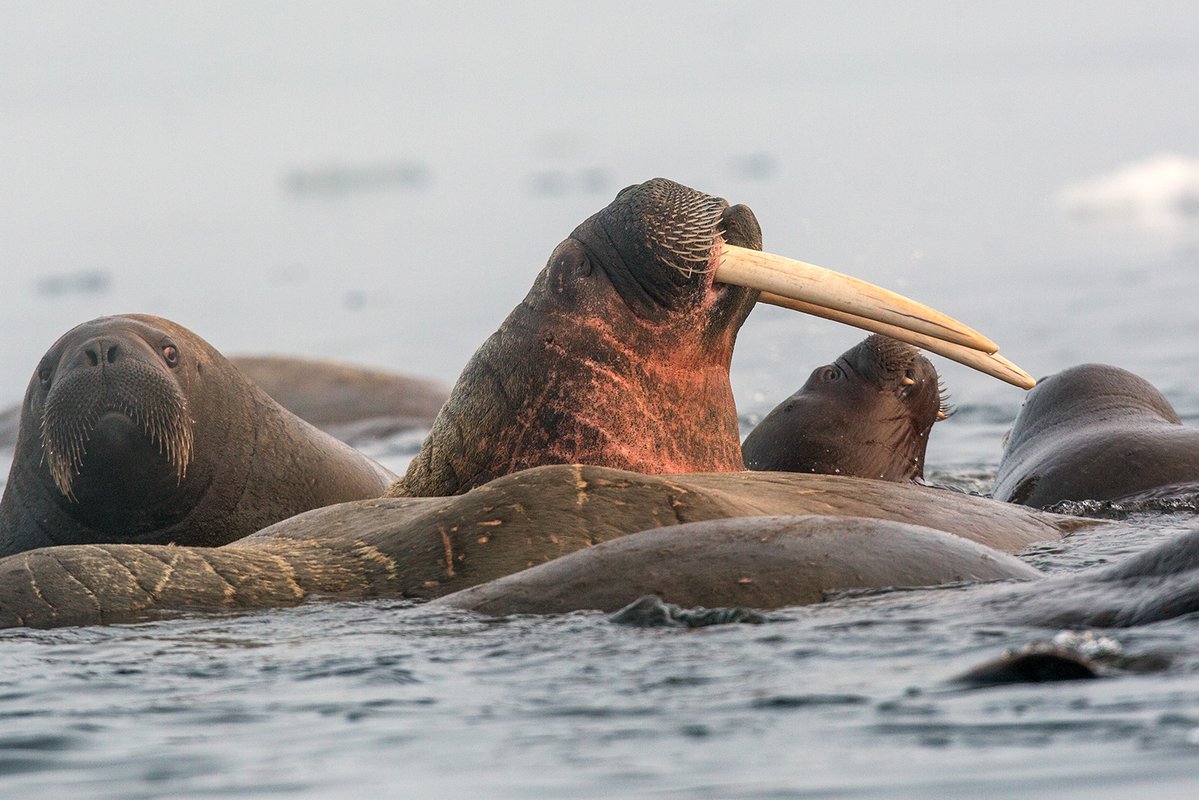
589,370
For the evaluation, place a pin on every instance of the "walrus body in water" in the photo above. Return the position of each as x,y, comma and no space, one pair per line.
1096,432
618,357
134,429
868,414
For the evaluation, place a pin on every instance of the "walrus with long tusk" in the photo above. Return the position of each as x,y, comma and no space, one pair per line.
618,358
134,429
619,355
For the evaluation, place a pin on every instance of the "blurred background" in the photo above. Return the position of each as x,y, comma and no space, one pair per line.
381,182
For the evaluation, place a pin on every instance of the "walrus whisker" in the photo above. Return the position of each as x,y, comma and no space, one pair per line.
157,411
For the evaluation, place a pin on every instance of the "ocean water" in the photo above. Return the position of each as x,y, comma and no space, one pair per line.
380,183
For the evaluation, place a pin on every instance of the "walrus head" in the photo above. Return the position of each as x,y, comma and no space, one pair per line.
113,388
868,414
110,407
619,355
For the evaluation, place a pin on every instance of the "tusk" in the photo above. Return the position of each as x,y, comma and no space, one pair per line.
992,364
824,288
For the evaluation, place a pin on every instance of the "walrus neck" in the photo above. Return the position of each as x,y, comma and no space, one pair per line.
642,398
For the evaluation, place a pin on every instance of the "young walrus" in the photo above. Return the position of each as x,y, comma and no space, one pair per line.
867,414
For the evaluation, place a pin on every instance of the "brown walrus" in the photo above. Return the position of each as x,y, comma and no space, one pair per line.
618,356
351,403
868,414
1096,432
134,429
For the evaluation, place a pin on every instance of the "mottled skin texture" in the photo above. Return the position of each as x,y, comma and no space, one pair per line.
428,547
857,416
755,562
619,355
247,462
1096,432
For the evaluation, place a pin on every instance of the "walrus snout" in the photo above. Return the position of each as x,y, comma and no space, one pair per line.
99,352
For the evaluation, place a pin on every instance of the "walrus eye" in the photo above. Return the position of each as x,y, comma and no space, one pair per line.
171,354
829,373
43,375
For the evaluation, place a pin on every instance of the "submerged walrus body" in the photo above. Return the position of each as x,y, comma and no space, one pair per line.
1096,432
134,429
619,358
755,562
867,414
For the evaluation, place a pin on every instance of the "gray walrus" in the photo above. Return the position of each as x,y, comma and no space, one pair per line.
755,562
619,356
868,414
134,429
1096,432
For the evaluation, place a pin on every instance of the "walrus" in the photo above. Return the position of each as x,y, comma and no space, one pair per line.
351,403
619,355
1096,432
755,562
428,547
869,414
134,429
618,358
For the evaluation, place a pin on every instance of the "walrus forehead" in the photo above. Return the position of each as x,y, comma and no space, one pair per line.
656,242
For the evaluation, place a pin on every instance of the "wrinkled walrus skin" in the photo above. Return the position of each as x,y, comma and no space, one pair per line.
424,548
618,356
134,429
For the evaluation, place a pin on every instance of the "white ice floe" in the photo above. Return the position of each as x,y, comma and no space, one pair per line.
1159,192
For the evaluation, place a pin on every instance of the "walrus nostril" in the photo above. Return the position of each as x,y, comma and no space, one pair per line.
101,350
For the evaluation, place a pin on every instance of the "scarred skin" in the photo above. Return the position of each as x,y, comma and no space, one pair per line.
1096,432
867,414
188,452
617,357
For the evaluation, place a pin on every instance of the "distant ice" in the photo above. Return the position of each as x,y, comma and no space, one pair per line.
87,281
1159,192
341,179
